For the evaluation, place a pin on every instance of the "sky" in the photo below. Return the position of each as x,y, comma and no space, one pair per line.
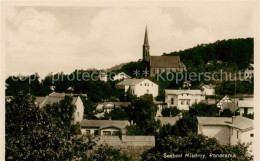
55,39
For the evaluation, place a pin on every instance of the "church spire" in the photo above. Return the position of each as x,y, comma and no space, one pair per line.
146,42
146,47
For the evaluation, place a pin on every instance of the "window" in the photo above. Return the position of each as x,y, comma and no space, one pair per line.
237,134
141,84
144,84
172,101
78,114
182,102
188,102
147,91
95,132
251,135
107,133
245,111
115,133
87,132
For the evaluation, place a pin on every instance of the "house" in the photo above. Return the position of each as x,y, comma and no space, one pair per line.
228,103
249,72
208,90
160,64
102,76
227,130
107,107
183,99
246,106
57,97
104,127
120,76
138,87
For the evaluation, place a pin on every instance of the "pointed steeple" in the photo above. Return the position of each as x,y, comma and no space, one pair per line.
146,42
146,47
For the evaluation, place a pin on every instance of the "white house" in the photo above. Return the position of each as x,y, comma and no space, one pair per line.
103,127
120,76
102,76
246,106
249,72
139,87
183,99
57,97
208,90
227,103
228,130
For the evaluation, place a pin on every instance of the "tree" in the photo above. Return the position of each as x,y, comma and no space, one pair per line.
116,114
106,153
142,111
226,113
170,112
195,144
41,134
133,130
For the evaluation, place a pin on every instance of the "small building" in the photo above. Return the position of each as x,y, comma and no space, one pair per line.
120,76
57,97
208,90
246,106
107,107
227,130
139,87
104,127
102,76
183,99
227,103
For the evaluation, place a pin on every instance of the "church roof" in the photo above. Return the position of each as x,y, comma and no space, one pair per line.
166,62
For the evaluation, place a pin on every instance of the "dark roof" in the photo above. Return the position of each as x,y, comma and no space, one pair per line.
166,62
105,123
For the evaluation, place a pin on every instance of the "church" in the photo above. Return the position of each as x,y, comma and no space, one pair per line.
160,64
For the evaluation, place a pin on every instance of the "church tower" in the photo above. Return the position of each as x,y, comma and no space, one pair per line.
146,47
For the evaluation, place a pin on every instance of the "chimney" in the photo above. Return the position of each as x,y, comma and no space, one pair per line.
131,122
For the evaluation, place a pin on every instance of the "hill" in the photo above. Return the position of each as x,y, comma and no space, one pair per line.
116,67
238,52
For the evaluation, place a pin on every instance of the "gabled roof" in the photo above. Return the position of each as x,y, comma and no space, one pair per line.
239,122
105,123
166,62
54,98
116,104
131,81
182,91
168,120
